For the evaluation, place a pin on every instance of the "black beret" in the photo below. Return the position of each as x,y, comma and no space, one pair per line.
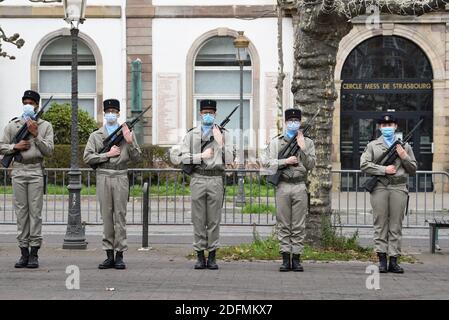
111,104
292,113
387,118
33,95
208,104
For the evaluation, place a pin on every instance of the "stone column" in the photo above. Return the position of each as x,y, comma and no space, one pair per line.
335,157
139,16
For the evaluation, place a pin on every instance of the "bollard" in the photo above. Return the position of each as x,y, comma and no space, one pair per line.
145,199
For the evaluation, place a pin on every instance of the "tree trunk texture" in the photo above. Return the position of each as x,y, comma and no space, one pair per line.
281,74
317,37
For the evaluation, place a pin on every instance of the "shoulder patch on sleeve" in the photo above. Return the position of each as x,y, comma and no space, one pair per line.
14,119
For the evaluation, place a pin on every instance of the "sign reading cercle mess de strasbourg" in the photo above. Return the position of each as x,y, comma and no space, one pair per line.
387,85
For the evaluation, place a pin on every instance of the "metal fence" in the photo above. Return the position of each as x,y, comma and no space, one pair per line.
428,199
169,198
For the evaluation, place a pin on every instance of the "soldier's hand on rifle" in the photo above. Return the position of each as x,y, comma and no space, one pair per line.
218,136
114,152
207,154
401,152
292,160
22,145
300,140
390,169
127,134
32,127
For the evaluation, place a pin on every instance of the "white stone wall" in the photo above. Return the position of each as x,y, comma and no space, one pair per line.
173,38
15,75
89,3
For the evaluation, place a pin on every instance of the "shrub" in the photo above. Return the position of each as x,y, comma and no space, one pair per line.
60,116
152,157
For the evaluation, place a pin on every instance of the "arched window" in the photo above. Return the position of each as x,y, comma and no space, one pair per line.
55,74
217,77
386,73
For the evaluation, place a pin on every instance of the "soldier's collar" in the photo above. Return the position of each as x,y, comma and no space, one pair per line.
380,141
103,131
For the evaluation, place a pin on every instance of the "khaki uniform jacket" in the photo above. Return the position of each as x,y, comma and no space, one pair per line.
41,146
128,152
306,159
374,150
191,150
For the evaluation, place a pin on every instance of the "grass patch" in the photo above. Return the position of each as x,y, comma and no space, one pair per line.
251,190
259,208
135,191
334,248
268,249
169,189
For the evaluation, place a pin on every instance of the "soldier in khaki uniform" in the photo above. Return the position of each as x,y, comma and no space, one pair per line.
389,198
112,182
206,185
27,176
291,193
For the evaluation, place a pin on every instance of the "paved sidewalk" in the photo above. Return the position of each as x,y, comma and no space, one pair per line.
166,273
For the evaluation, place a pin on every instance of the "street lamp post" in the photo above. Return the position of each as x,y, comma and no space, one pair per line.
75,236
241,44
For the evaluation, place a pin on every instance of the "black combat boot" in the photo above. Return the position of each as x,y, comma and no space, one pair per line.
201,263
33,261
296,263
394,267
119,264
211,263
23,261
109,262
382,262
285,262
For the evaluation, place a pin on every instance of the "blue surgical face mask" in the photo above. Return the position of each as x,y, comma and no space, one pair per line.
292,128
28,111
293,125
207,119
388,132
111,118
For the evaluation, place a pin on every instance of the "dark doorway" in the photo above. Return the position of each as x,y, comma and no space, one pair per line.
381,74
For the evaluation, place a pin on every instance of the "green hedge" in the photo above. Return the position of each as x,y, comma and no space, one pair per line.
60,116
152,157
62,155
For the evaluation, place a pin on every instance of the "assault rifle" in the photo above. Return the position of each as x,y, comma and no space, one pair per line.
188,168
116,137
22,134
289,150
389,157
